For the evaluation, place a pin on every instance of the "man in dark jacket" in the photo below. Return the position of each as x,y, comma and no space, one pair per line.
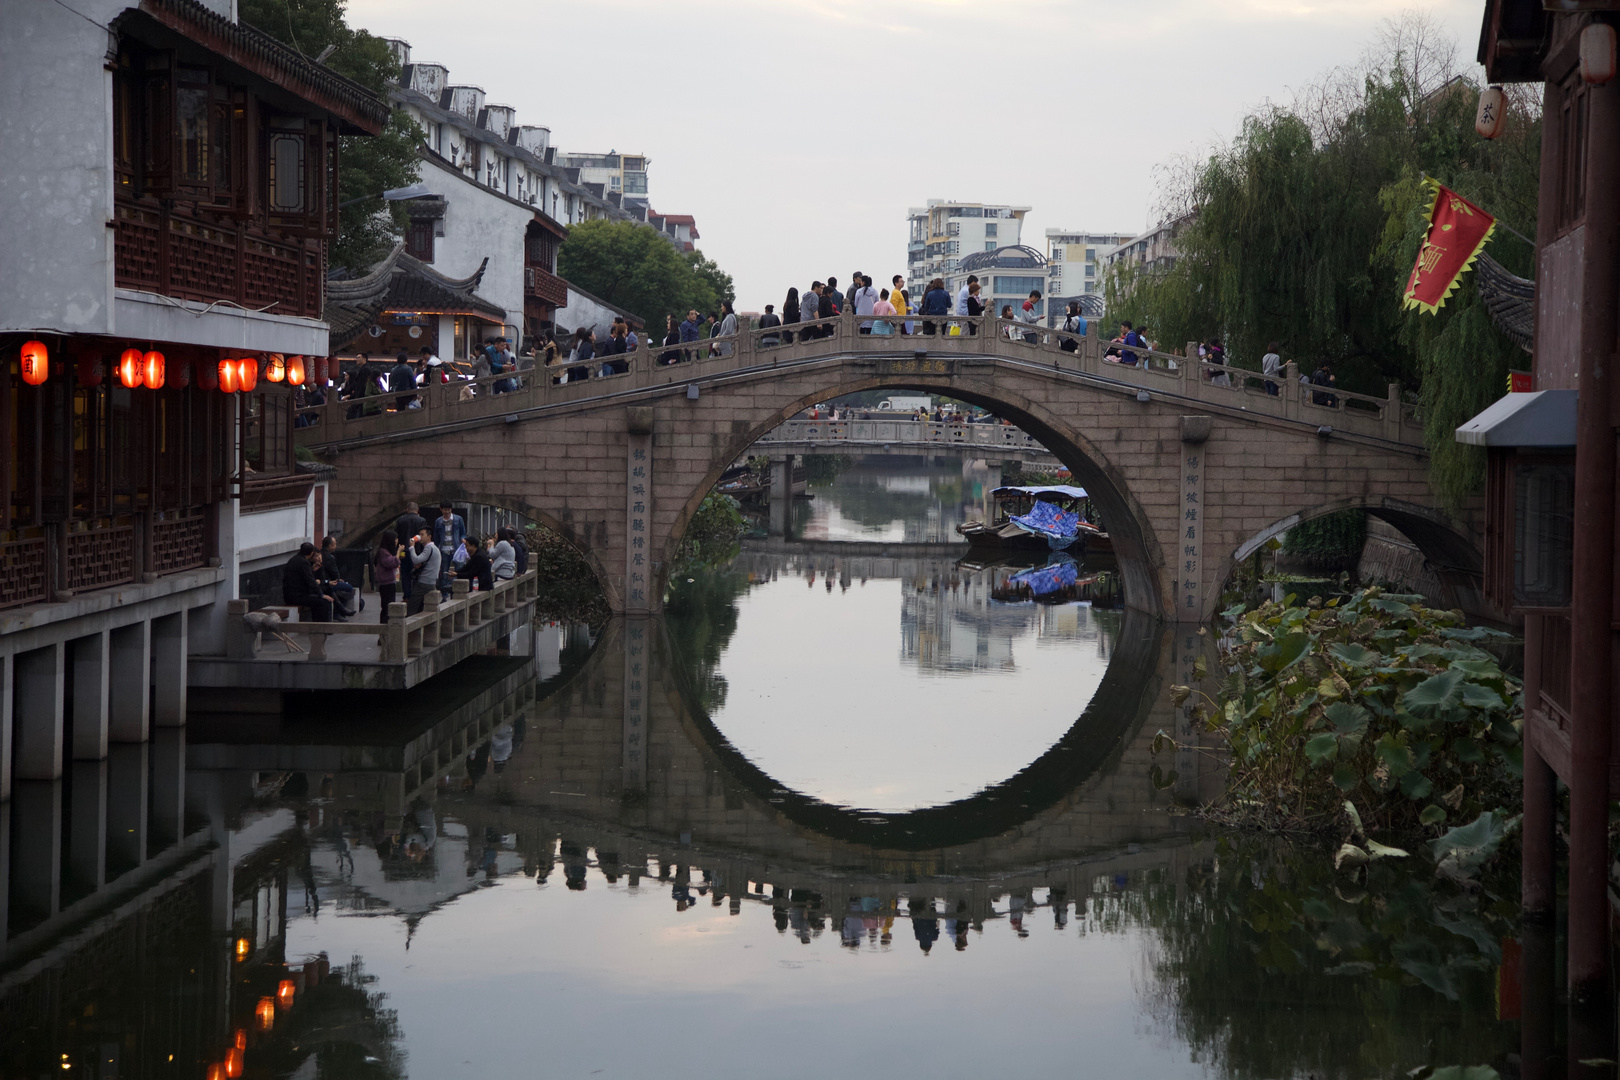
402,381
299,587
406,526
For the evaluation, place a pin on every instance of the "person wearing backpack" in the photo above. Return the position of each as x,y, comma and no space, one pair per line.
1074,323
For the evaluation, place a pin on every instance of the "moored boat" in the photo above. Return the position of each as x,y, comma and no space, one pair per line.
1051,517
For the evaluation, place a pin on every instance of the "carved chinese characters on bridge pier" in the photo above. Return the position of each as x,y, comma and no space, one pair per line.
638,550
636,671
1189,577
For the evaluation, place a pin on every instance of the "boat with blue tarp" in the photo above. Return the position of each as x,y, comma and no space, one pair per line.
1048,517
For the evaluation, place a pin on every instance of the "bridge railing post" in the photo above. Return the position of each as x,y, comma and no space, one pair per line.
1290,390
1392,412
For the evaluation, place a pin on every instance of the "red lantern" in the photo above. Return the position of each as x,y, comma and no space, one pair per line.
182,374
36,362
319,374
247,373
207,375
130,368
295,371
227,377
275,369
91,370
153,366
1598,53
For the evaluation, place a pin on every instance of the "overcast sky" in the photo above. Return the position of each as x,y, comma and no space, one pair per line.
798,132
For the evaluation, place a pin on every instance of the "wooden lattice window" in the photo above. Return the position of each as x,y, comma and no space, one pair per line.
419,240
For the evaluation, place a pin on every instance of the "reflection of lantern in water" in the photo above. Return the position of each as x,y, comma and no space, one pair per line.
243,948
241,1038
233,1062
216,1071
266,1013
36,362
284,994
153,366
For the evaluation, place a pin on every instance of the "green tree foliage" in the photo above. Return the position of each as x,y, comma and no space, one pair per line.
367,165
569,589
1332,539
1381,702
633,267
1304,230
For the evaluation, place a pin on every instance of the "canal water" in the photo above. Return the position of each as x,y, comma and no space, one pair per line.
866,810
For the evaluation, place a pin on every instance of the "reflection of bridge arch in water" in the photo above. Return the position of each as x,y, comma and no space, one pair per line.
1091,789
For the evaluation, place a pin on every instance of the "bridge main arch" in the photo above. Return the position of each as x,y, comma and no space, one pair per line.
1135,546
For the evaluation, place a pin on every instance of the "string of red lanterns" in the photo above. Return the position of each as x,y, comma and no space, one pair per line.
150,369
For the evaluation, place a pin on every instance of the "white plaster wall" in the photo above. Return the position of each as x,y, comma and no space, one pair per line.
583,311
56,177
478,223
271,535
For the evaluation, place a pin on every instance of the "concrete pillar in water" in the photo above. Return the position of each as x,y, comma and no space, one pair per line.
87,826
5,875
126,807
6,677
129,704
38,721
169,634
89,660
36,849
168,785
781,495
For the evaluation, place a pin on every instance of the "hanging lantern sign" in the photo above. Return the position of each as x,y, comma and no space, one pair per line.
36,362
130,369
1488,120
1597,53
182,374
228,382
153,367
275,369
91,370
247,373
295,371
207,375
319,375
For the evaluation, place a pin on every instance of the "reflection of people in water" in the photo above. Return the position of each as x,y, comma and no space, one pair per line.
477,766
418,831
854,928
574,866
500,747
1059,899
608,863
923,924
1015,913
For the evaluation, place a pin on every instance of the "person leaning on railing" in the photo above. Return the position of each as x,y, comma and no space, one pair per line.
770,321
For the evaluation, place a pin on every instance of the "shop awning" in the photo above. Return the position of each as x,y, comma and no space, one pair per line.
1540,418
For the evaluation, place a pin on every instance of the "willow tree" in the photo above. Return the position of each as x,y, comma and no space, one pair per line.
1304,228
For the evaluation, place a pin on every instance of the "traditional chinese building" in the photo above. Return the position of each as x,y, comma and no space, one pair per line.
169,189
1551,495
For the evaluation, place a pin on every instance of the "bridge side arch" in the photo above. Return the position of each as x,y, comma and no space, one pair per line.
1443,541
372,526
1136,546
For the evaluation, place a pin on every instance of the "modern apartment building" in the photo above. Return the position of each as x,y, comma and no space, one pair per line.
1075,260
618,174
1155,249
942,233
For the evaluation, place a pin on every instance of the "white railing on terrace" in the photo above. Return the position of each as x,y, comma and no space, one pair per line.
894,346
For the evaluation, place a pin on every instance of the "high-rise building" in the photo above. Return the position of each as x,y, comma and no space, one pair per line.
1074,261
622,174
944,232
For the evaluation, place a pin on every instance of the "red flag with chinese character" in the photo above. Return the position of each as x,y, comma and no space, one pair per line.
1457,231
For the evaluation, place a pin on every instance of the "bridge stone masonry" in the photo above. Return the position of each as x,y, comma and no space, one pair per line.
1189,477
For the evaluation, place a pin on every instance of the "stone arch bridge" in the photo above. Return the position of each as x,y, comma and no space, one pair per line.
1189,477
